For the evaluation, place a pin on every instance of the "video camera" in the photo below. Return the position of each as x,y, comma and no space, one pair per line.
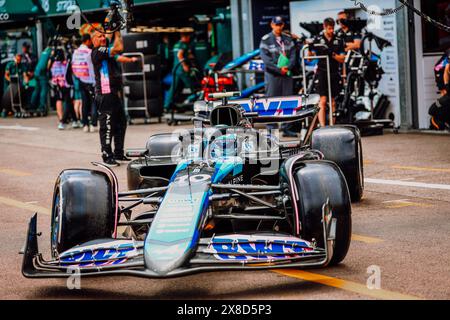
355,25
120,15
314,28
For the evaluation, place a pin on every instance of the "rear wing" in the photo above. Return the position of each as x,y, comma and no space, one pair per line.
274,109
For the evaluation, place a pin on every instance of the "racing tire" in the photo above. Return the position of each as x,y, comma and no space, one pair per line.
83,209
343,146
152,68
316,182
141,174
134,90
146,43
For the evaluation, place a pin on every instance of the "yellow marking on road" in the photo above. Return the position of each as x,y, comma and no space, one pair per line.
345,285
367,162
398,204
365,239
23,205
15,173
421,169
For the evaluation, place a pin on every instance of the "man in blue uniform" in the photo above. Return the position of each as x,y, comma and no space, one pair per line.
278,54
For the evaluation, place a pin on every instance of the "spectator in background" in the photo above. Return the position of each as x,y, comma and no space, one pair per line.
83,71
64,108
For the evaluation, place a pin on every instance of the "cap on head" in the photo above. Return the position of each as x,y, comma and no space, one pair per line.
277,20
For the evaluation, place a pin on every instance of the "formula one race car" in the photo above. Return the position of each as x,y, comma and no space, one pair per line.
223,196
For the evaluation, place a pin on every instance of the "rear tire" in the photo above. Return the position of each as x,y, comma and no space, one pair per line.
318,181
343,146
83,209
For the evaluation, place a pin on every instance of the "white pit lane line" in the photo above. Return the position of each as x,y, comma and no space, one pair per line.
19,127
408,184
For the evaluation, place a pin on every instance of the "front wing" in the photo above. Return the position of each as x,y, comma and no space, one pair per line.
221,253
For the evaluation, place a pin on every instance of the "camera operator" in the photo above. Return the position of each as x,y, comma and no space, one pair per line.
108,86
327,43
352,39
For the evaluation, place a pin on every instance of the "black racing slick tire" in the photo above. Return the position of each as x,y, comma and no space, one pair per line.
343,146
83,209
152,68
146,43
135,89
318,181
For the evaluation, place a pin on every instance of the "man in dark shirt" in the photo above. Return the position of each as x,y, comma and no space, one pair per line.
108,85
328,44
352,39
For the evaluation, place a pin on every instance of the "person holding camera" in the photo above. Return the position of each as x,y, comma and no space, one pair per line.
108,87
352,39
328,44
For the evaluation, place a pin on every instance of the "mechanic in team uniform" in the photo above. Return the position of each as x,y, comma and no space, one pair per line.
16,70
351,39
39,97
108,87
277,74
328,43
182,52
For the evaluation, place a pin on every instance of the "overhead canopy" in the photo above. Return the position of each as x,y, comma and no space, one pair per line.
14,11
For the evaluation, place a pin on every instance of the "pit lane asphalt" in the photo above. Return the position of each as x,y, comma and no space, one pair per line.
402,229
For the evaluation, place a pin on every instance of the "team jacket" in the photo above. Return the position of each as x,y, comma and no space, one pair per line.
271,50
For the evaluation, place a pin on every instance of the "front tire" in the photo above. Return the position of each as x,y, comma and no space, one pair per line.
318,181
83,209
